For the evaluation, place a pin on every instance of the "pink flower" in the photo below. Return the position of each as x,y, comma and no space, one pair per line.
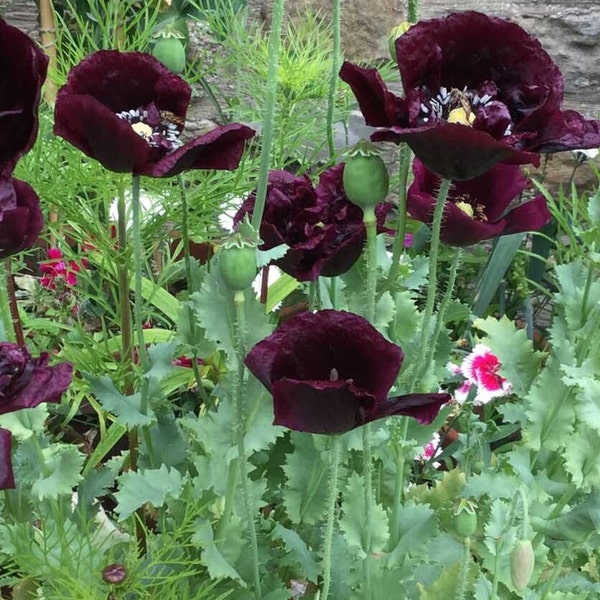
430,450
57,269
480,369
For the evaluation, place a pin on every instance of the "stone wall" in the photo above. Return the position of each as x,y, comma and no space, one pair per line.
569,31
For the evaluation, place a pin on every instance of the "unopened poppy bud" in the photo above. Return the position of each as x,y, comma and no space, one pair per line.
465,519
522,561
365,178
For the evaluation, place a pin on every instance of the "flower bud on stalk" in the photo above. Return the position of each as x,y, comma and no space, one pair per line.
394,34
522,561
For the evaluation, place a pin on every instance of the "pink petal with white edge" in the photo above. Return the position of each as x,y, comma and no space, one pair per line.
481,368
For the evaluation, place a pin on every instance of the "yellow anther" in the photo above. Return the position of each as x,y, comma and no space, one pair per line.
461,116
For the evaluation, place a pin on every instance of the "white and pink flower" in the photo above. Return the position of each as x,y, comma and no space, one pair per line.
431,450
480,369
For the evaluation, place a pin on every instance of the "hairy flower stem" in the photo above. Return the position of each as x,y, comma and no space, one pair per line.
11,319
420,366
332,502
269,113
462,584
240,327
370,223
413,11
398,245
439,323
138,266
336,24
187,262
125,306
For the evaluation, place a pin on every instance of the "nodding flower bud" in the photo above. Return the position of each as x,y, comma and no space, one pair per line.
522,561
114,574
394,34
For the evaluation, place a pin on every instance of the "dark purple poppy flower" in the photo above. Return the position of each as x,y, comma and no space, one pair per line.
7,480
478,90
126,110
26,382
21,224
477,209
323,229
331,371
22,73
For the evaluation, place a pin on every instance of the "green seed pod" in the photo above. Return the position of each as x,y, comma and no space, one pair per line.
238,266
465,519
366,180
522,561
170,52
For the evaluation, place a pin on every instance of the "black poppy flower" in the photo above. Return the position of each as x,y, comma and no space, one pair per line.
478,90
22,73
323,229
331,371
26,382
21,216
477,209
126,110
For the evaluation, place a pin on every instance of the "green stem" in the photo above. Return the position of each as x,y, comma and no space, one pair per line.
230,493
269,112
138,265
496,573
240,321
125,305
398,245
413,11
335,66
439,323
9,322
332,502
558,566
402,432
420,366
461,588
187,262
370,222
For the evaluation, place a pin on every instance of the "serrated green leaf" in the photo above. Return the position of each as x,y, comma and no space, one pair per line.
550,411
587,396
457,312
520,362
127,409
298,549
407,318
353,522
493,485
384,311
160,357
148,486
264,257
25,422
416,526
191,334
218,567
60,472
447,584
581,457
305,493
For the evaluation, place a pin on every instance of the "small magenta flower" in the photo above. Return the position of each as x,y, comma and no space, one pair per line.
431,450
22,73
478,90
478,209
127,111
480,369
56,271
331,371
26,382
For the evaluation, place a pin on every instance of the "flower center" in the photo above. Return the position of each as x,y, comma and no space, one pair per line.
473,209
160,129
455,106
